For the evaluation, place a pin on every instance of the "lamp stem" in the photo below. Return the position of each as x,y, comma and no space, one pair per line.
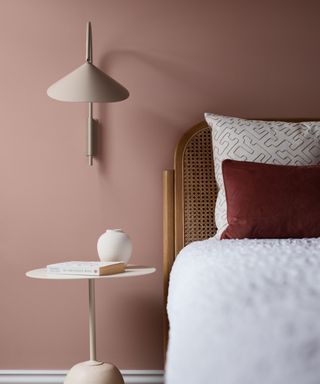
89,43
90,136
92,321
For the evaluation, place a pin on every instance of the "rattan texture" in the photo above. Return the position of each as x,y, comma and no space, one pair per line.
199,188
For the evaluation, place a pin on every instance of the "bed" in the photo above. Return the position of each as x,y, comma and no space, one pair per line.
240,311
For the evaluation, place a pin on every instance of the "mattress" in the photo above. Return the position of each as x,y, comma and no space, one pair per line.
245,312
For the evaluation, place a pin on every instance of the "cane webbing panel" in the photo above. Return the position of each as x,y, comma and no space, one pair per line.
199,187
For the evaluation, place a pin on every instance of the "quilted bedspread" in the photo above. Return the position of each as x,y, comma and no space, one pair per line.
245,312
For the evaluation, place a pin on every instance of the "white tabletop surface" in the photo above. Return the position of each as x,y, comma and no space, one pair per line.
131,271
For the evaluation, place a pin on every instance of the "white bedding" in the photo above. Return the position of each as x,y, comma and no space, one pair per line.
245,312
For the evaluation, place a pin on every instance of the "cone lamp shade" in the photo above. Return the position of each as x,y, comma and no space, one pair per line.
88,84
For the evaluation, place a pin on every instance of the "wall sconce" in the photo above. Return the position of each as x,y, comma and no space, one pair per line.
88,84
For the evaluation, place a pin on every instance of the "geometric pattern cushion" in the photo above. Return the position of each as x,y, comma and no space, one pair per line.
272,142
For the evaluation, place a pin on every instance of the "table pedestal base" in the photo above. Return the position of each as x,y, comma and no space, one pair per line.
94,372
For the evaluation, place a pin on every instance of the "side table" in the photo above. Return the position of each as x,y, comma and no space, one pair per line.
92,371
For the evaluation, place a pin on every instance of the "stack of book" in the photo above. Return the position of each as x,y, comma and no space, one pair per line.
90,268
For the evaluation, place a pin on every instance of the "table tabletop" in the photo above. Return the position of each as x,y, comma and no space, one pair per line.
130,271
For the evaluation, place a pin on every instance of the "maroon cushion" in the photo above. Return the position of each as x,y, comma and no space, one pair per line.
271,201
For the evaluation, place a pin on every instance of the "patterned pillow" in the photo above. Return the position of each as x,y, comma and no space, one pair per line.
272,142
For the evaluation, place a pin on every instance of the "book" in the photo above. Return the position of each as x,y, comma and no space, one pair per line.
90,268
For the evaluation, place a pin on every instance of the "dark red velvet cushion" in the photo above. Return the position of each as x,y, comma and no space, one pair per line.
271,201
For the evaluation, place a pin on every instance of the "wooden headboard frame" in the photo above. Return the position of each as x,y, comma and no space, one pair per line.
189,195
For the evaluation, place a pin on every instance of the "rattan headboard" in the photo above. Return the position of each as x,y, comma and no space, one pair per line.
189,193
195,187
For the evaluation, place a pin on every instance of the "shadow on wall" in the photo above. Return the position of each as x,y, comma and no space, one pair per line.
178,86
141,340
175,70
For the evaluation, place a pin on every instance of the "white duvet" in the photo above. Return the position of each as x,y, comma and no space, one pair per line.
245,312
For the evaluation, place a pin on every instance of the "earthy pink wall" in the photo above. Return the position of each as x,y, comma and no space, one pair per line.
179,59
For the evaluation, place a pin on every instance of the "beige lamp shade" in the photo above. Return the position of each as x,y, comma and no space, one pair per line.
88,84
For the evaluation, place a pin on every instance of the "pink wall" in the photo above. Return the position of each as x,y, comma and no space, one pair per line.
178,59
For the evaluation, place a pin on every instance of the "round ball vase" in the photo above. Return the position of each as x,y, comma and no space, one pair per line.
94,372
114,245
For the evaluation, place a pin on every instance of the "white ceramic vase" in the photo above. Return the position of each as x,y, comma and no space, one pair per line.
114,245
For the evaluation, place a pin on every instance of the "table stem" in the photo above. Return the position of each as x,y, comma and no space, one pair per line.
92,321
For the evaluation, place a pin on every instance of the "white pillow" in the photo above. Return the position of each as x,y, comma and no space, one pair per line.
273,142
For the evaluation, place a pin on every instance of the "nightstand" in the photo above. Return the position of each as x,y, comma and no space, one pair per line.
92,371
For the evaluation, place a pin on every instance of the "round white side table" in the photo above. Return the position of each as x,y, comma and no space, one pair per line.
92,371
